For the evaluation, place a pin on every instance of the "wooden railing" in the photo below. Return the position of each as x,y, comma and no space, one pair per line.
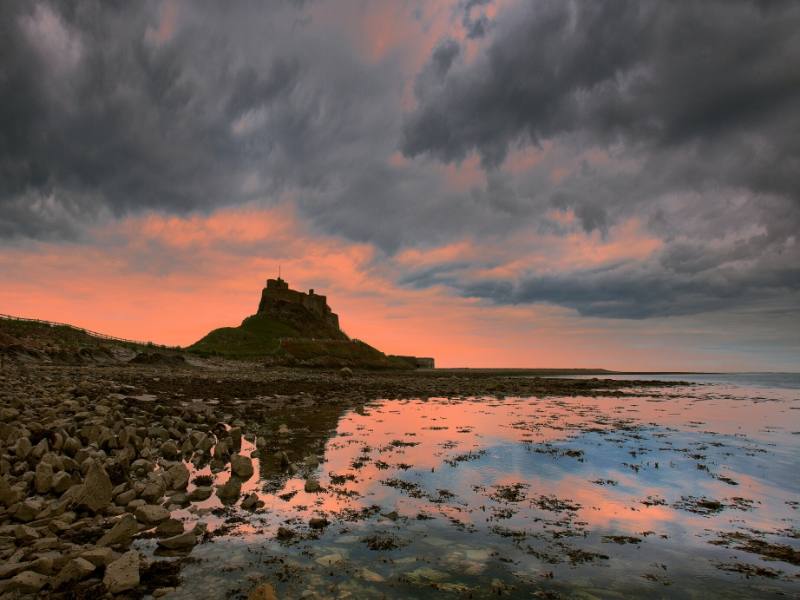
95,334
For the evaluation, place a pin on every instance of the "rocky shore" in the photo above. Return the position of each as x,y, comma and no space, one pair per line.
93,458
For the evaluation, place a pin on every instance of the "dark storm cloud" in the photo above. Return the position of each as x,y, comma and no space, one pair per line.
662,73
700,98
112,108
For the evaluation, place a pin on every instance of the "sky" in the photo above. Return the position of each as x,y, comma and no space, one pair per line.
518,183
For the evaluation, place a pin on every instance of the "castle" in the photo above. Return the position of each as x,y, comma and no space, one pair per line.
277,291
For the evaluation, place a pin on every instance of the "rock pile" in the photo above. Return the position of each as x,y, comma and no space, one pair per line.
88,466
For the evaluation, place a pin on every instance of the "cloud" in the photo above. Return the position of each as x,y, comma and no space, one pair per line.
505,146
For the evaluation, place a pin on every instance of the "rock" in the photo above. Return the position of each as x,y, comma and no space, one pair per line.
318,523
11,569
250,502
284,533
8,495
178,542
231,490
236,437
74,570
27,510
371,576
162,591
169,450
95,493
153,491
241,466
99,557
123,573
263,592
169,528
121,533
46,563
179,498
346,372
178,476
283,459
330,560
62,481
125,498
29,582
200,493
43,479
25,534
151,514
22,448
312,486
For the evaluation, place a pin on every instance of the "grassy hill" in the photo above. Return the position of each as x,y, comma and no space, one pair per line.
291,340
258,335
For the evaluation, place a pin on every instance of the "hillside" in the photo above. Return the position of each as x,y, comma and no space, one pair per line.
31,340
300,339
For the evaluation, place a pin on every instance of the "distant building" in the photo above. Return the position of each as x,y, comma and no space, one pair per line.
277,290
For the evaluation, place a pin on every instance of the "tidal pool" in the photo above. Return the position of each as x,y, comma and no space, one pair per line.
680,492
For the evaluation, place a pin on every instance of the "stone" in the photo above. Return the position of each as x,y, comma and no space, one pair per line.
29,582
11,569
231,490
178,477
62,481
241,466
43,480
8,495
22,448
169,450
263,592
318,522
236,437
250,502
312,486
121,533
371,576
123,573
99,557
330,560
178,542
346,372
151,514
169,528
95,493
25,534
153,491
27,510
200,493
162,591
74,570
125,498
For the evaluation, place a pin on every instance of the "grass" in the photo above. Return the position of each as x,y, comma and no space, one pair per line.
258,335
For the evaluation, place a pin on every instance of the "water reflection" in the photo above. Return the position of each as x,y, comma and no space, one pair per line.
669,494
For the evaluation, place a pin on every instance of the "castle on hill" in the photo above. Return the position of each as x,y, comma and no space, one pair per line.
277,291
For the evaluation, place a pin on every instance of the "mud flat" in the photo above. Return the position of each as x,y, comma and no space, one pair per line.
225,479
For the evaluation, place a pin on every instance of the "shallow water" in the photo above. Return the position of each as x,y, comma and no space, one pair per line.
677,493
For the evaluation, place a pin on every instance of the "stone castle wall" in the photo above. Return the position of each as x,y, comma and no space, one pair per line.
277,290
